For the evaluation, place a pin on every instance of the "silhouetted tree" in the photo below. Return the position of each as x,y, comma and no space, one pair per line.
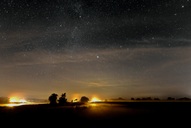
156,99
62,100
170,98
53,98
84,99
184,98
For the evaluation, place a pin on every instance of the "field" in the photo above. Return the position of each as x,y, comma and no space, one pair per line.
94,115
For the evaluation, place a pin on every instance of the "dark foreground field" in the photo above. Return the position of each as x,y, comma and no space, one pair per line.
98,115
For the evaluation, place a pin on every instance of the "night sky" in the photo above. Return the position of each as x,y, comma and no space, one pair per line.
103,48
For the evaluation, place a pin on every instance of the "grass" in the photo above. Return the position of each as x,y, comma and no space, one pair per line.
108,114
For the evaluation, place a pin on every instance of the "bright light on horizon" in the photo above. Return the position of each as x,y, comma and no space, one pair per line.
17,99
95,99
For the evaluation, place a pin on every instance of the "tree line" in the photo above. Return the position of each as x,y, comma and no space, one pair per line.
54,99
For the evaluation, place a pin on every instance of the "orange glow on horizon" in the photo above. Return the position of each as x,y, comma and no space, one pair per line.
75,100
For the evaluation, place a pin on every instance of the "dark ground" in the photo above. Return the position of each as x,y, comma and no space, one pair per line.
107,115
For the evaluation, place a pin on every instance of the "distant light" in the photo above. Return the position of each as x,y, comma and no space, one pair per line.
17,100
13,99
95,99
22,100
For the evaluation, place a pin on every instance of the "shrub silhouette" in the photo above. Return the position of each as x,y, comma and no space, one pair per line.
84,99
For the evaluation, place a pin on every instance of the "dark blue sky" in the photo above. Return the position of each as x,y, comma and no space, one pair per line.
109,49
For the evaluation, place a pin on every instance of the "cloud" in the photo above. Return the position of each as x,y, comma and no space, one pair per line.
126,70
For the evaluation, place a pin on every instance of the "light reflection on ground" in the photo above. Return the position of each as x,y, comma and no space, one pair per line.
19,104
